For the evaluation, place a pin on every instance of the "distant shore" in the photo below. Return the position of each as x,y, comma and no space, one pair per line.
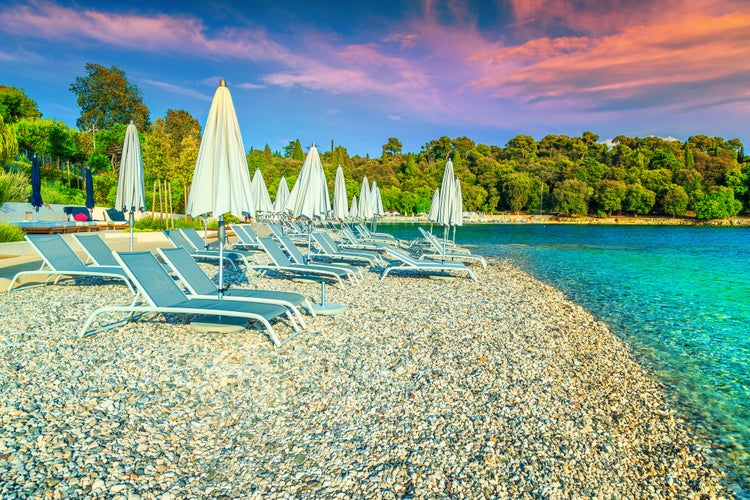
615,220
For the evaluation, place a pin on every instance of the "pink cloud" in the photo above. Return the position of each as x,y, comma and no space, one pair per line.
160,33
689,54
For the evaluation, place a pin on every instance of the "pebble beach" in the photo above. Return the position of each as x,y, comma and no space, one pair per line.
423,388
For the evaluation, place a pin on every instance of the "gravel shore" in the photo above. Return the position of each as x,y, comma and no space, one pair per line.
423,388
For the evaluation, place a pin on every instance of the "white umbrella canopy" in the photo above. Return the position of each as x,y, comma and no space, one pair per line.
260,193
445,209
282,193
130,195
340,199
365,205
221,181
376,200
447,190
354,208
309,196
434,207
457,217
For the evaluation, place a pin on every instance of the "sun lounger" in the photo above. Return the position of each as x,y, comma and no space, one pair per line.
357,243
280,262
441,252
246,237
158,293
198,283
179,240
278,231
296,257
367,235
406,262
331,250
60,260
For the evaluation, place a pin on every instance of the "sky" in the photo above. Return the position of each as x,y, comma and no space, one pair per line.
359,73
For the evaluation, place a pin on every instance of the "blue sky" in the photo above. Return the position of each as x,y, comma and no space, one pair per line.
358,73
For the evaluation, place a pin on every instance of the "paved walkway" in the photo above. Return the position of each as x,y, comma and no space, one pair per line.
22,257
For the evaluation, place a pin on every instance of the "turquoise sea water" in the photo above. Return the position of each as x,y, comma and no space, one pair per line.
680,296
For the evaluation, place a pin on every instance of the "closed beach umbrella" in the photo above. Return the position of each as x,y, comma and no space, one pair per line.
354,208
130,196
340,199
457,219
309,196
221,181
377,204
89,189
447,191
36,186
260,193
365,205
434,207
282,193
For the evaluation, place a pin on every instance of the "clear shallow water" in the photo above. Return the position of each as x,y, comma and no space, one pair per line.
680,296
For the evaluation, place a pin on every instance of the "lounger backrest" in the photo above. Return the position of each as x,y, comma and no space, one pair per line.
402,256
294,252
193,237
154,283
275,252
331,242
56,253
276,228
179,240
188,270
350,234
321,239
97,249
245,233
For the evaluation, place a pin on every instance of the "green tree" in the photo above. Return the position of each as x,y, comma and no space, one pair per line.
516,189
107,98
392,148
8,142
717,204
639,200
571,197
14,105
676,200
609,195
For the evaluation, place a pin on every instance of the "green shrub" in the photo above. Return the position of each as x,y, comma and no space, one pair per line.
9,232
150,223
58,193
14,186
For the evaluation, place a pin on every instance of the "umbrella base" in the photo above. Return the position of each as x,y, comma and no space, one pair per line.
328,309
218,324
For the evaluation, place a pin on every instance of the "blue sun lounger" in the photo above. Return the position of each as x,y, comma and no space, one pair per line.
59,260
158,293
199,284
403,261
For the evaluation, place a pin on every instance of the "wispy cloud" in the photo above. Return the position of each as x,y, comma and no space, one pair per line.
176,89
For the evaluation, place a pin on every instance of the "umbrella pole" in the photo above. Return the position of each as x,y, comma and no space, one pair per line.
205,233
309,241
445,240
221,235
131,223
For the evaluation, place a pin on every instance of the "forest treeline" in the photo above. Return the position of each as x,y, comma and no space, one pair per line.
555,174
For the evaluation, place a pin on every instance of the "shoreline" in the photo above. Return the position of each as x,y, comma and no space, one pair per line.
620,220
422,388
